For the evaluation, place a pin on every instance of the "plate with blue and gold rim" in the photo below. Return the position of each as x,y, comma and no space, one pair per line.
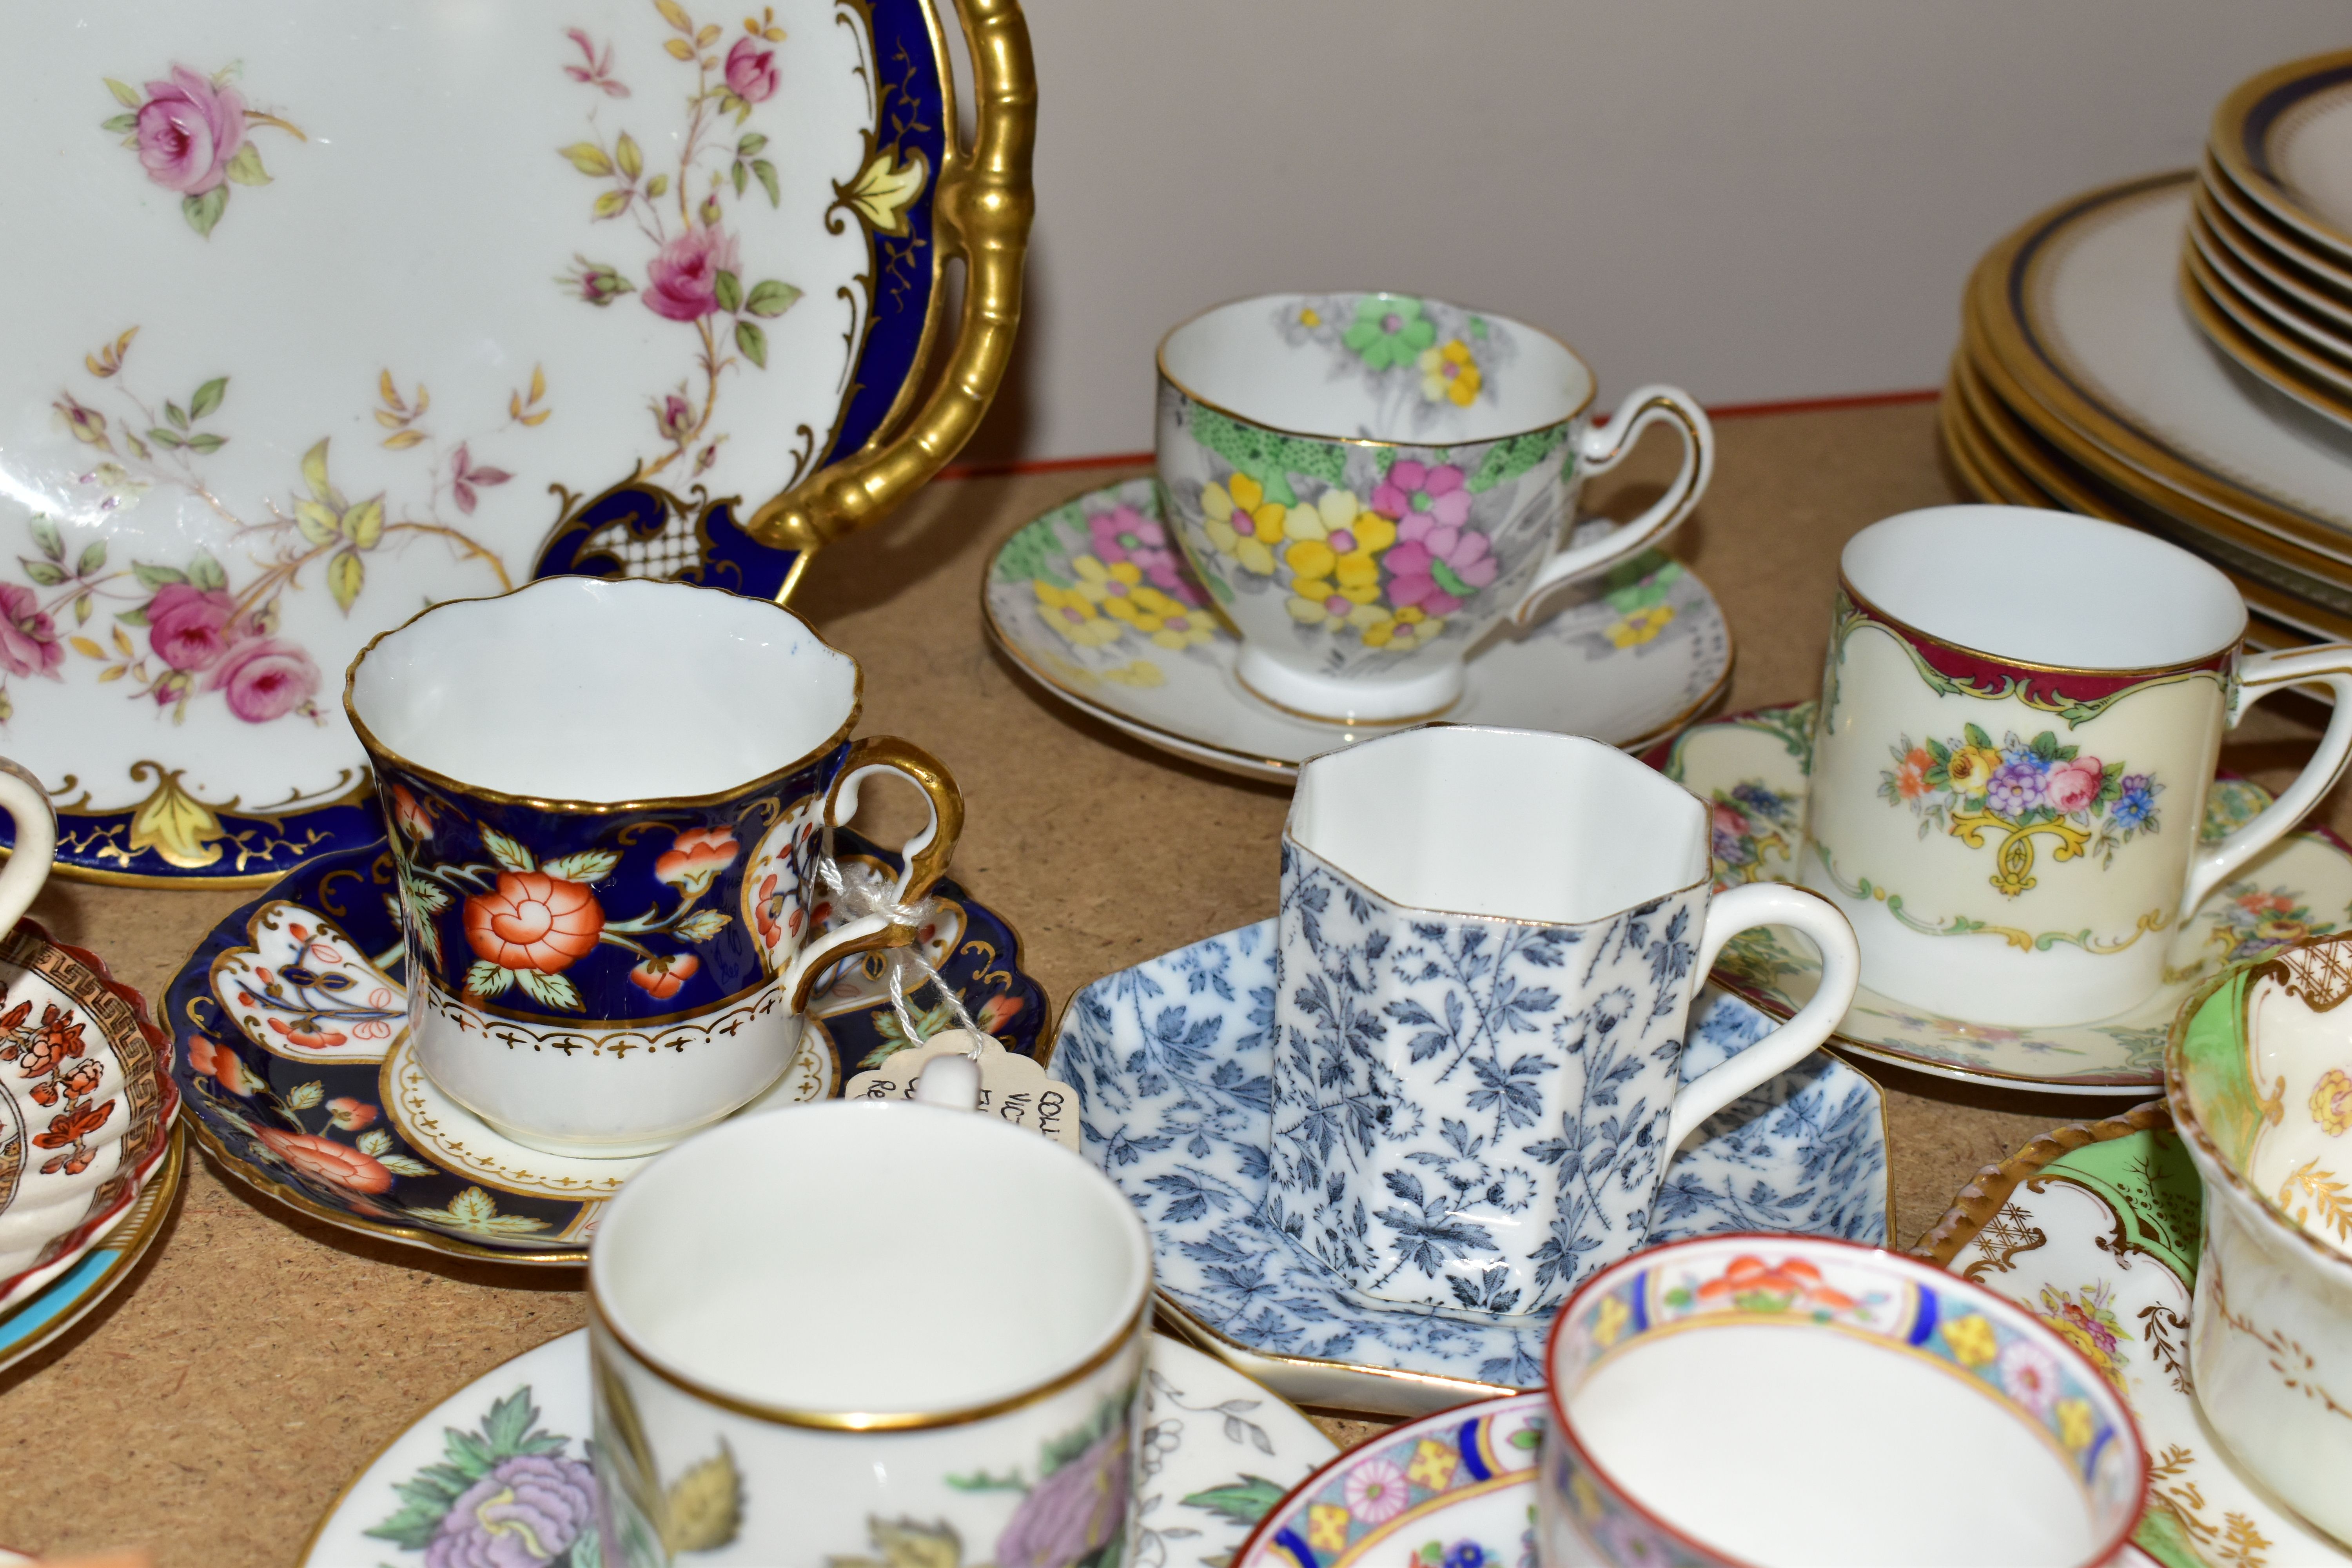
290,1043
1456,1490
505,1460
1171,1061
1095,603
1752,767
96,1274
2095,1229
662,302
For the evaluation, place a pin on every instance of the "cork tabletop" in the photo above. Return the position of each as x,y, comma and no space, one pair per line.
216,1406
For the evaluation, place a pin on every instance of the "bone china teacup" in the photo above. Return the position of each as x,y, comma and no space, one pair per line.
946,1371
2019,723
606,801
1367,483
1486,956
1924,1385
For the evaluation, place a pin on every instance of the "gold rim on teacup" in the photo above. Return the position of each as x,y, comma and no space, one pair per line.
643,803
1896,623
1108,1351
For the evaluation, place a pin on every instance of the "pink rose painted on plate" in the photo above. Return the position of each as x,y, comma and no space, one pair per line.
189,628
29,638
683,281
189,131
751,71
264,679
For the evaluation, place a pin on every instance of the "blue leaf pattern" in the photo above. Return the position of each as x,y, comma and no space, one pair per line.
1804,1153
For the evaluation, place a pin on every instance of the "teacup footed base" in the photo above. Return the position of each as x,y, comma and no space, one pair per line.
1329,701
635,1148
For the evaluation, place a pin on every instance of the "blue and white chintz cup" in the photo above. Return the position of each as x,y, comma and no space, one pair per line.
1486,956
606,801
1369,483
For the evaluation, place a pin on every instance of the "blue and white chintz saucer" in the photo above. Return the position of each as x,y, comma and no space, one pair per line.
1169,1061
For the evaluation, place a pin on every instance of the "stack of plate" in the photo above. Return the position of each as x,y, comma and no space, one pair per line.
2101,369
2267,268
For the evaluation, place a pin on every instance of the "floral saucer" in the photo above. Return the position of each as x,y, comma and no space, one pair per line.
48,1311
2095,1229
291,1047
1217,1452
1453,1491
1752,767
1169,1062
86,1108
1094,602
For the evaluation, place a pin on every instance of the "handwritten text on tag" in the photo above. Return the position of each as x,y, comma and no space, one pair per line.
1013,1088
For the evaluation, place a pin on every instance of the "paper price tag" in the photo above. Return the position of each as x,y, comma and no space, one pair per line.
1012,1087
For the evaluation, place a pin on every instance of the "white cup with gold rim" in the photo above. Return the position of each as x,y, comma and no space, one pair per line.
948,1369
2020,720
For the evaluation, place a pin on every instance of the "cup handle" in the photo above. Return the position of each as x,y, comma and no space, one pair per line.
28,806
2259,675
1600,450
926,853
1771,904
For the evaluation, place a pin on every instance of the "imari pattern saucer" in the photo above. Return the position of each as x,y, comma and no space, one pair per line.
1456,1490
1169,1061
1752,768
505,1460
2095,1229
1096,605
291,1044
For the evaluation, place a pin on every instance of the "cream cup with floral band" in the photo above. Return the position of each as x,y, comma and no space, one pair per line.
606,802
1369,483
2019,718
947,1369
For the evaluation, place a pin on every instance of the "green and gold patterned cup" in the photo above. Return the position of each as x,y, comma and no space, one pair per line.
2019,723
1370,483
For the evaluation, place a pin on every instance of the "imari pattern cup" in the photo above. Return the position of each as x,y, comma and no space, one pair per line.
1369,483
2019,723
606,802
1484,960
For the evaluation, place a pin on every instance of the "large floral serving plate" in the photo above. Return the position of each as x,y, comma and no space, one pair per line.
364,310
1752,767
504,1462
2097,1228
290,1043
1095,603
1171,1061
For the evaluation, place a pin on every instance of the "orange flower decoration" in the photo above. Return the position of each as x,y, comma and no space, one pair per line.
56,1038
533,920
67,1128
338,1164
1793,1277
309,1034
662,978
410,813
208,1055
1911,773
694,861
349,1114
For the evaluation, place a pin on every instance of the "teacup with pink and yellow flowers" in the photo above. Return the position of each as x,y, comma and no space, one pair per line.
1369,483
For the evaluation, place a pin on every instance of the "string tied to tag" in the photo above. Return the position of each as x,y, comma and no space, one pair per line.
866,892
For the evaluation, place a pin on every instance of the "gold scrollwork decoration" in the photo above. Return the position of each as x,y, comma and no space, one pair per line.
2015,858
981,213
